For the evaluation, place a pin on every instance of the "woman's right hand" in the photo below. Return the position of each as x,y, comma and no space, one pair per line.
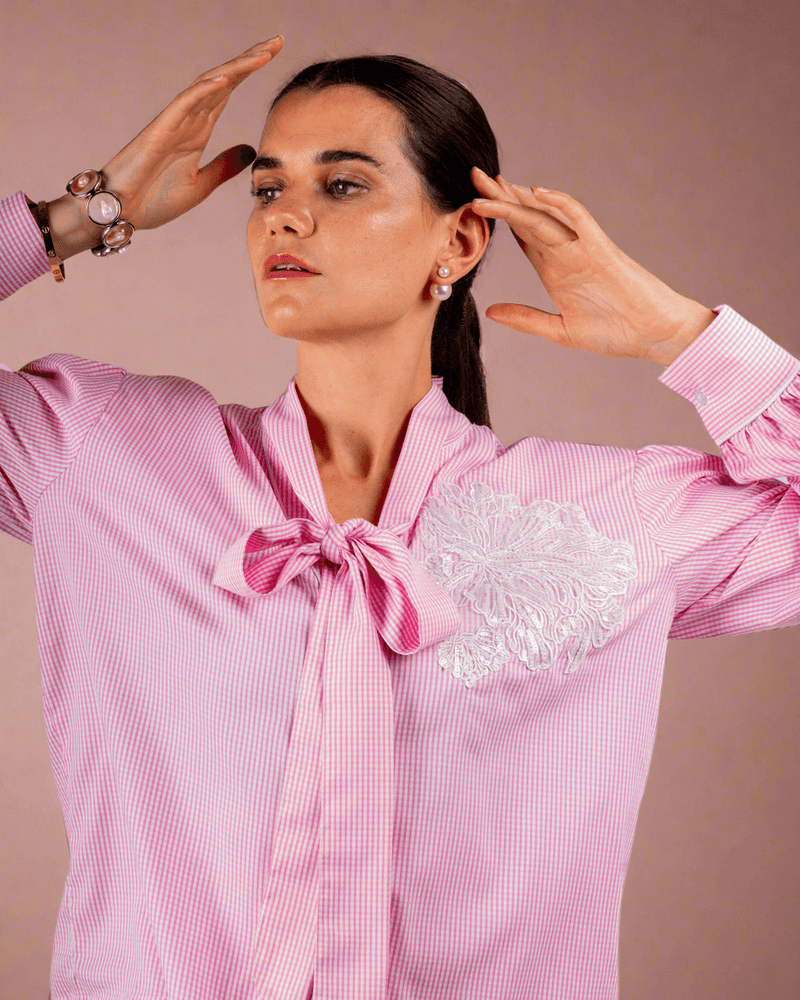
157,176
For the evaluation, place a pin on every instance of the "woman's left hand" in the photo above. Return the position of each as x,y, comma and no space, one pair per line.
607,303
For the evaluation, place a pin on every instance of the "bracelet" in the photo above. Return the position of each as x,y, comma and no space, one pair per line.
41,214
105,209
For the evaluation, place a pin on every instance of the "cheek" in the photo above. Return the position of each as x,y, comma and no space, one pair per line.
393,248
376,252
255,238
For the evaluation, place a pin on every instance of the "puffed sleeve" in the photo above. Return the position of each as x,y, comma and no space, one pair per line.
730,526
47,410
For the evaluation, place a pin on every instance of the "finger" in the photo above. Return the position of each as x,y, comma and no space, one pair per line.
489,187
196,93
508,190
223,167
243,65
531,197
271,46
528,319
274,40
240,68
568,209
492,187
197,98
531,224
500,188
527,196
212,89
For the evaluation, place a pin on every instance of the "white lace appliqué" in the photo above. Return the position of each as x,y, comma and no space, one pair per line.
541,576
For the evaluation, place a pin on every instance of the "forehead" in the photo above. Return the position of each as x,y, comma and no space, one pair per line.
343,116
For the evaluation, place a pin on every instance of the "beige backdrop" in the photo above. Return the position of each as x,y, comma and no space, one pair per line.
676,125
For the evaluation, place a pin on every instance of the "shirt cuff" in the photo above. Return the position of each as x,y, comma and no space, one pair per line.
22,253
731,373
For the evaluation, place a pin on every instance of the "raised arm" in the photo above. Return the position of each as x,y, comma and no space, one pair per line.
49,406
157,176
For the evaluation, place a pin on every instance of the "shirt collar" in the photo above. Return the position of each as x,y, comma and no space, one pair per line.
435,430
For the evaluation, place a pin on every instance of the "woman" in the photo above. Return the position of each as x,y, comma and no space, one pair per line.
344,698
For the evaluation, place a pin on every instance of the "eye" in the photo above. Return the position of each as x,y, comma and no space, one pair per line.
341,180
262,193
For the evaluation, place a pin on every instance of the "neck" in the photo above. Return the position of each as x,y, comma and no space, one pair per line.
358,396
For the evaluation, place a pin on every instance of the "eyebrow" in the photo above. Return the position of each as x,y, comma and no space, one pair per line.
324,156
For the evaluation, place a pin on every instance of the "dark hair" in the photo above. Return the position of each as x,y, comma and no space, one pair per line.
446,133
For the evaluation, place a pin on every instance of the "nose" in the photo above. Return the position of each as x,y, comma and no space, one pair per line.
289,214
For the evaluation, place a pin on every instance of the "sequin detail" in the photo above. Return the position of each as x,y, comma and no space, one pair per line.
544,580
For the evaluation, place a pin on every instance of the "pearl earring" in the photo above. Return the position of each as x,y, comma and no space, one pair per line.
442,292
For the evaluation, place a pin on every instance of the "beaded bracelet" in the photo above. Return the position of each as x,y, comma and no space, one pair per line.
104,208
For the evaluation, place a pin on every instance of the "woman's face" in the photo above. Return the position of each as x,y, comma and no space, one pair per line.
365,227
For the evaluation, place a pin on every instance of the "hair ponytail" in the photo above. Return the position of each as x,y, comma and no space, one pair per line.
456,354
446,134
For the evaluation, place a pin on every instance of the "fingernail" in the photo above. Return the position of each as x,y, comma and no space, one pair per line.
481,200
264,45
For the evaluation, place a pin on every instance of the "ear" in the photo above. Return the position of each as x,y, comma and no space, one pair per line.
469,237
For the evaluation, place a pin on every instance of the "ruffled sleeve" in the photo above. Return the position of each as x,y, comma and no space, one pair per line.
730,526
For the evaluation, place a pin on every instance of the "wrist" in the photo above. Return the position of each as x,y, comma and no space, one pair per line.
695,320
71,228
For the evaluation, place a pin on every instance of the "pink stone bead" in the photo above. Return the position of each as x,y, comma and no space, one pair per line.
84,181
119,234
103,208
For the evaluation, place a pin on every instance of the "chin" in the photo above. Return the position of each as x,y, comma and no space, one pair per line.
293,323
294,328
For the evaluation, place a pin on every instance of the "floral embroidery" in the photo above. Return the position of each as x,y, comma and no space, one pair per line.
542,577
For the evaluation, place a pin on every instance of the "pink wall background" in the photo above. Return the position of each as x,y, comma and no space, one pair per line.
676,125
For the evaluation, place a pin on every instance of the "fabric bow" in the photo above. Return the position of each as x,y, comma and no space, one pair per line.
325,916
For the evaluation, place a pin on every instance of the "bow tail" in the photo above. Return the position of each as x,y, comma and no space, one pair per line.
286,936
326,912
357,802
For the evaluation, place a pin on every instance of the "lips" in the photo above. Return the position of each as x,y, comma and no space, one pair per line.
286,258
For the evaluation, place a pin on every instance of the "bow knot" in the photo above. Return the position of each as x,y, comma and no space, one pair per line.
409,610
334,543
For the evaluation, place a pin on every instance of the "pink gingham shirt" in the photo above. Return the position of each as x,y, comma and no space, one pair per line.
400,761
